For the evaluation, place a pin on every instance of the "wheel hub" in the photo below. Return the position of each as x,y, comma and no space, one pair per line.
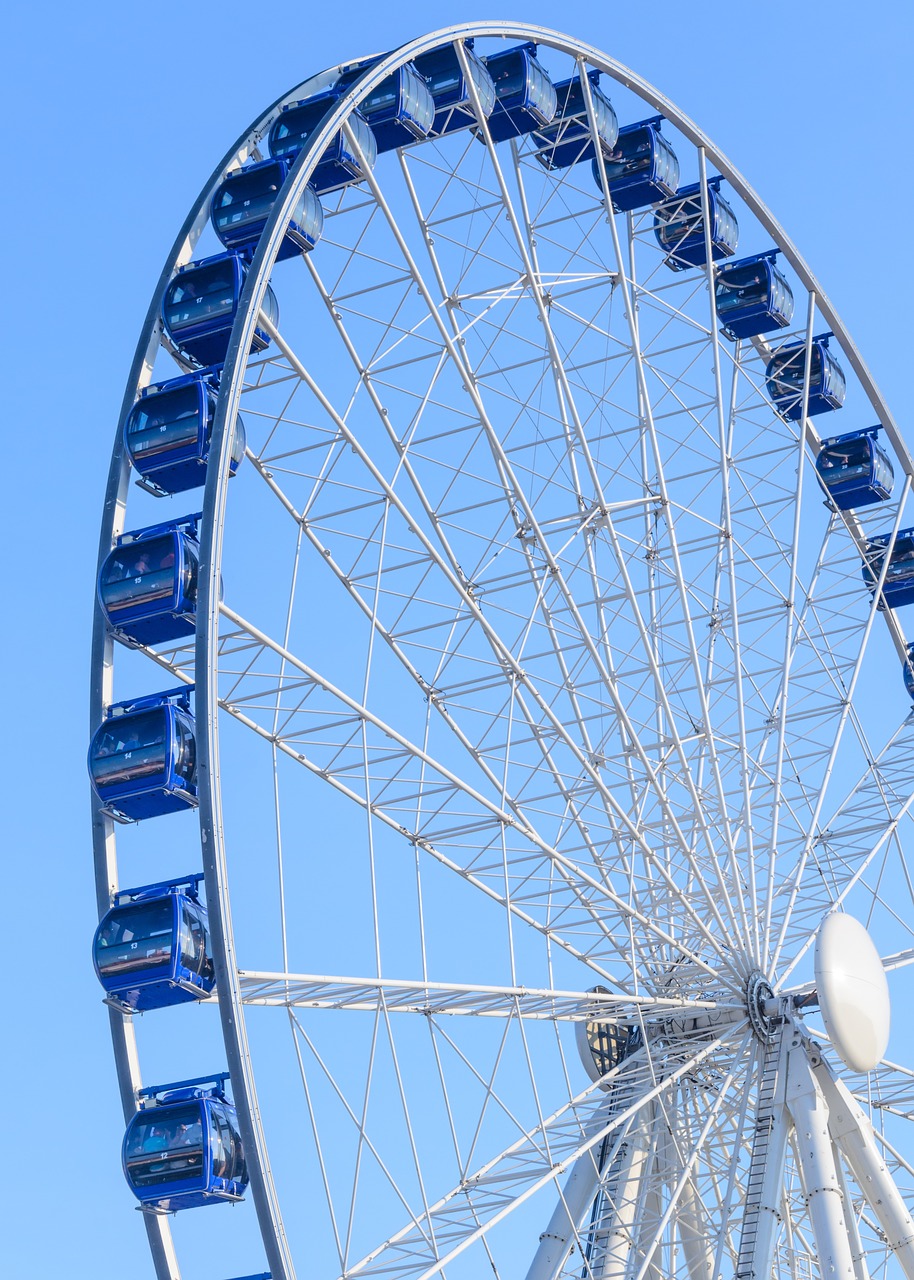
759,998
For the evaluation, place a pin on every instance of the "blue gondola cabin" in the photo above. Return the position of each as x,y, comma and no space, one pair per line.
753,297
168,432
786,374
243,203
679,226
142,760
525,97
855,470
182,1149
147,586
399,111
200,305
152,949
451,91
643,168
898,587
908,670
568,140
339,165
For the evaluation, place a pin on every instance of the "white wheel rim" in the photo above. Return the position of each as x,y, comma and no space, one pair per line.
722,930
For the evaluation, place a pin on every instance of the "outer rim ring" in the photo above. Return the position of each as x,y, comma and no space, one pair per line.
211,824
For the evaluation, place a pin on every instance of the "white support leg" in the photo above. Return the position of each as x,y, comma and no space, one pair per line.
852,1131
650,1210
693,1236
613,1235
821,1182
858,1253
566,1221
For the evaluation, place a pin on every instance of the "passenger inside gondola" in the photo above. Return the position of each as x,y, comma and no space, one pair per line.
845,462
130,748
165,1148
141,573
741,287
200,304
147,585
164,421
182,1149
227,1154
901,561
631,157
168,431
142,759
151,950
205,293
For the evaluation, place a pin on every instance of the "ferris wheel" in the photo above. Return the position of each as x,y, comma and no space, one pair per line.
494,751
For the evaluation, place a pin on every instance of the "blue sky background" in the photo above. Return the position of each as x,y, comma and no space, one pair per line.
115,114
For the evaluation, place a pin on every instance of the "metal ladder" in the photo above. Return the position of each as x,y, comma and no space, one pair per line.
764,1124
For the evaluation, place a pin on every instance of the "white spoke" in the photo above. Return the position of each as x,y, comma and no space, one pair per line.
315,991
534,691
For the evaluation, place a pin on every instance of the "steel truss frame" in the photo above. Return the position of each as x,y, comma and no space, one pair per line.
613,909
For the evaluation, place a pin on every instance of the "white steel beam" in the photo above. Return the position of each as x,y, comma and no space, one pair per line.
613,1240
514,490
816,1157
565,1225
577,879
854,1135
317,991
501,1186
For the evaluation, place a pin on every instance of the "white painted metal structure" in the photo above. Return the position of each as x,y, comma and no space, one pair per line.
541,666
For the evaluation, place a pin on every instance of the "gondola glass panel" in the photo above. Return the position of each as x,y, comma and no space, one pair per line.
855,470
898,588
753,297
241,206
679,226
339,164
399,111
147,586
200,304
642,169
135,938
785,377
450,90
142,760
568,139
167,433
525,97
184,1150
152,951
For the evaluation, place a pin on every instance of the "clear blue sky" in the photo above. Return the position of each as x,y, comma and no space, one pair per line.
115,112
